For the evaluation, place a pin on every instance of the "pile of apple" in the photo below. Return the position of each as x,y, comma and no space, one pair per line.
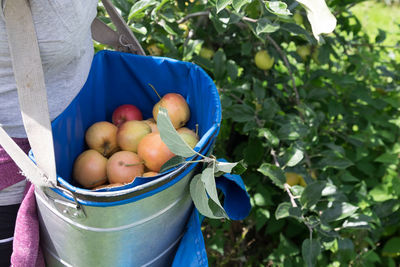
130,147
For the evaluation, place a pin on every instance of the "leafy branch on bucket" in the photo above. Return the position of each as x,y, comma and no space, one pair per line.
203,189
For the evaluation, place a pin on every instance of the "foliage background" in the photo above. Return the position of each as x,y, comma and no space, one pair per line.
331,116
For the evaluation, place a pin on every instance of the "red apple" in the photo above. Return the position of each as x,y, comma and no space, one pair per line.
89,169
125,113
124,167
154,152
177,107
102,136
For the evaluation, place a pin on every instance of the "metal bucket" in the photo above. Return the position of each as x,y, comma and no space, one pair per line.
141,233
138,224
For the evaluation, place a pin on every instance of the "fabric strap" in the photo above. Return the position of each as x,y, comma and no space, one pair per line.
29,76
28,72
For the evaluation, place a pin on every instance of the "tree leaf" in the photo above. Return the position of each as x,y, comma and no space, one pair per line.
310,249
200,198
264,25
274,173
140,6
219,60
173,162
312,194
221,4
225,166
207,177
171,137
338,211
269,136
294,156
278,8
237,4
392,247
285,209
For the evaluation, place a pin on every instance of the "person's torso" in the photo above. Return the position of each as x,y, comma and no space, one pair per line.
66,49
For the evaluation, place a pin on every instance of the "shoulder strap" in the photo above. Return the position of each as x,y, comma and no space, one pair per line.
28,72
123,39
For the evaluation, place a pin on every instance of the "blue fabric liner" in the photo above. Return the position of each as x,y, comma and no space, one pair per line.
119,78
192,251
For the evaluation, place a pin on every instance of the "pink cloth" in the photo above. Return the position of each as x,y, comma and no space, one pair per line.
9,172
26,250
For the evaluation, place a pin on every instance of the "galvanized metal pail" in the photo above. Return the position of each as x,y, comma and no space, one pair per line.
139,224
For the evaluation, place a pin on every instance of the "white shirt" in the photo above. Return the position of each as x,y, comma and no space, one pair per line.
66,50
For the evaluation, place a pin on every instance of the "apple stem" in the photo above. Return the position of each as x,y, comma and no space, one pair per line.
197,129
135,164
155,90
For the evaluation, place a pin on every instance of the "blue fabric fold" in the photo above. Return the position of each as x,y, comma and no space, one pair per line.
192,251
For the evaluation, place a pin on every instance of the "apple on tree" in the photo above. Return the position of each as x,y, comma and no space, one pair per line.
263,60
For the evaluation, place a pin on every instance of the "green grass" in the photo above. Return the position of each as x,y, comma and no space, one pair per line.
374,15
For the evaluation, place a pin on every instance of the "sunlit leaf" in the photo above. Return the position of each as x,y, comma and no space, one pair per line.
170,136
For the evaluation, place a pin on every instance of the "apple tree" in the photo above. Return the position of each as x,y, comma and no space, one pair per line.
311,105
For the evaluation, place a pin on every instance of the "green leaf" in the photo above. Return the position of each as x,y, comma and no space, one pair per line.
173,162
232,69
237,4
310,249
359,221
170,136
338,211
140,6
274,173
240,112
225,166
387,158
392,247
221,4
264,25
293,156
219,60
200,198
285,209
267,134
380,37
240,168
312,194
207,177
278,8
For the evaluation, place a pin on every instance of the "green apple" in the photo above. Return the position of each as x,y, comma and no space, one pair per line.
304,51
298,18
263,60
206,53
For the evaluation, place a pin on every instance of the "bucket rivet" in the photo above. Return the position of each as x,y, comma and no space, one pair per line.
65,211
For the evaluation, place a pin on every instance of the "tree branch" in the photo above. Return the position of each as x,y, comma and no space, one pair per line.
286,61
196,14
